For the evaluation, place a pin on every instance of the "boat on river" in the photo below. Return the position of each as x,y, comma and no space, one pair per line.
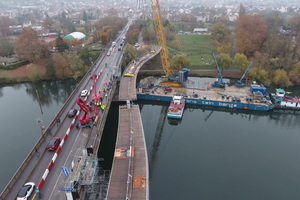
176,107
283,101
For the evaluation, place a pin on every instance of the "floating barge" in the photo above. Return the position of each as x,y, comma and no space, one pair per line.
200,92
176,107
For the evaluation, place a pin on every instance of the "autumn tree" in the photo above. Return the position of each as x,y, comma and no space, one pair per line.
61,66
294,74
50,69
224,61
129,53
180,61
4,26
132,34
281,78
295,23
250,33
75,64
260,75
32,72
6,46
224,19
148,32
272,45
60,44
47,24
85,56
225,48
219,32
261,60
29,47
240,61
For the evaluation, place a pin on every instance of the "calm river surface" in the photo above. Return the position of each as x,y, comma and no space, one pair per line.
210,154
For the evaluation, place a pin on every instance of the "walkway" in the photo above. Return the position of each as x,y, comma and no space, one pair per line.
130,174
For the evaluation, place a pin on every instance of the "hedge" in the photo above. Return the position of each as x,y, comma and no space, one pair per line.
14,65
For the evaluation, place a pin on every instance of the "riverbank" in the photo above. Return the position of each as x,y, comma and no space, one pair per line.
20,74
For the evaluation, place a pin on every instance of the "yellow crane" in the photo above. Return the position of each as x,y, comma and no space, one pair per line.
162,43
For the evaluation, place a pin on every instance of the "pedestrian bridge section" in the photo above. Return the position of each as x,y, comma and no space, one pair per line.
130,174
129,177
128,82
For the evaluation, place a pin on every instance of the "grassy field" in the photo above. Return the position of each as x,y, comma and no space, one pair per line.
198,49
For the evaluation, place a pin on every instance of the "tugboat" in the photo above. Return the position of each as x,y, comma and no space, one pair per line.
283,101
176,107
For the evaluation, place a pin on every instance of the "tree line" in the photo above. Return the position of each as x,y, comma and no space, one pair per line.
269,39
64,63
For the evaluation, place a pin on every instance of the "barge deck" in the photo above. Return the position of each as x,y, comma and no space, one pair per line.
231,96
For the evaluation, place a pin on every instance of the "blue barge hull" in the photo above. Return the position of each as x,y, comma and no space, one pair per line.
205,102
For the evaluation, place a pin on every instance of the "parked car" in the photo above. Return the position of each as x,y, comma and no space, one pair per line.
168,89
84,93
136,45
72,112
26,191
53,144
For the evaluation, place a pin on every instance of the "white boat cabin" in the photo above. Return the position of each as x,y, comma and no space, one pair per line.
177,99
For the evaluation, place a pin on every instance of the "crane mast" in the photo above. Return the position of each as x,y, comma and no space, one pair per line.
160,37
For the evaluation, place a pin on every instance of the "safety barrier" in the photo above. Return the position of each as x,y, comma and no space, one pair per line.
48,130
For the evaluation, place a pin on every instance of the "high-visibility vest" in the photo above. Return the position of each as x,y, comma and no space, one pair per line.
106,95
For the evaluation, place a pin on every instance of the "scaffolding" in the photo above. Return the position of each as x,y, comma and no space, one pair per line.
87,180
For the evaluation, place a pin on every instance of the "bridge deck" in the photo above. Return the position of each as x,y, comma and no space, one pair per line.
127,89
130,159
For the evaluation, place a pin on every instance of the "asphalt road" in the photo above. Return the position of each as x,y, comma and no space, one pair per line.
77,139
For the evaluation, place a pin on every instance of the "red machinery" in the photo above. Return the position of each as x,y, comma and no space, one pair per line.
85,118
95,96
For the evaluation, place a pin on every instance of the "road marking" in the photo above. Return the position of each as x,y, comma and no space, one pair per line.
33,196
64,165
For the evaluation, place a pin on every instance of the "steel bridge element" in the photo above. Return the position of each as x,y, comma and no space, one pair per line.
160,37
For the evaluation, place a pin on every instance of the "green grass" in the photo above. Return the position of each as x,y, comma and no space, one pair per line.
198,49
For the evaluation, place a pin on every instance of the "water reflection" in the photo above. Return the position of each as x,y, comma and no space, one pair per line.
283,118
50,92
174,122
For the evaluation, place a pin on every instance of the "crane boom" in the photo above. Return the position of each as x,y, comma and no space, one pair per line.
83,105
218,68
160,36
240,81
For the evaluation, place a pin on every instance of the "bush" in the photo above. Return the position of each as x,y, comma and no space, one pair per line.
14,65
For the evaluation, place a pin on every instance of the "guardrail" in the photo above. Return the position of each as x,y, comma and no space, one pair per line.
48,130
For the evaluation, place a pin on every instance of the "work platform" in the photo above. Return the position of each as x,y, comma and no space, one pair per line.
130,175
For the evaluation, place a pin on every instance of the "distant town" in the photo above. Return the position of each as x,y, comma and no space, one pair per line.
262,31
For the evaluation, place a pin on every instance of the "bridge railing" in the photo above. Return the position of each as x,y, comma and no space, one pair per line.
48,130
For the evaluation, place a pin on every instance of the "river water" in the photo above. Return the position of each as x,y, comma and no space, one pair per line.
20,112
209,154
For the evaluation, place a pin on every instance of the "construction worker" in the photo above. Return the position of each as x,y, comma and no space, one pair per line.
103,106
101,99
99,91
106,95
